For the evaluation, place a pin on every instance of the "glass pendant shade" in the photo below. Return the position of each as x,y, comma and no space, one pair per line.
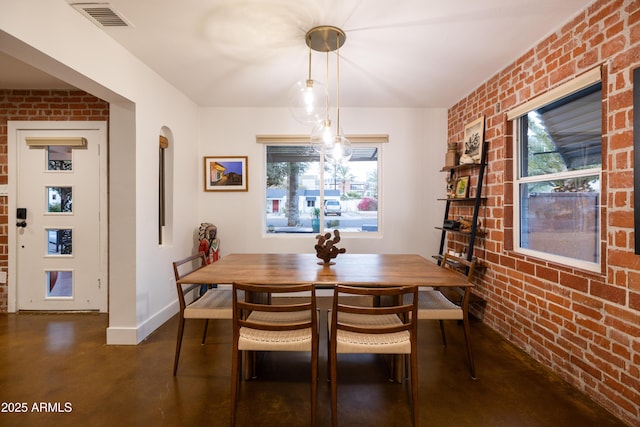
322,135
339,150
306,101
306,98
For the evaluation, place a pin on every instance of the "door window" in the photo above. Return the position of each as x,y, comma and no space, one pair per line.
59,199
59,284
59,241
59,158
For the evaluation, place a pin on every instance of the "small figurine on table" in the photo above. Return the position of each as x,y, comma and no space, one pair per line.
326,249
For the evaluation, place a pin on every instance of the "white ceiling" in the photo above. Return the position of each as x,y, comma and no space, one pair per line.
398,53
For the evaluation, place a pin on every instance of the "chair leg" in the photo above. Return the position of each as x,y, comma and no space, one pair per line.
334,387
328,346
314,383
414,386
235,364
444,337
178,345
467,339
396,367
254,364
206,326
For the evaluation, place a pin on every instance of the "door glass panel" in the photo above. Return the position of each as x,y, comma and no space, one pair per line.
59,158
59,284
59,199
59,241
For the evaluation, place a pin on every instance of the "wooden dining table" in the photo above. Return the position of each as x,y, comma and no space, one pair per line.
348,269
377,270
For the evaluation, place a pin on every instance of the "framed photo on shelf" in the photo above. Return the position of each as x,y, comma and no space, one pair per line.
473,137
225,173
462,187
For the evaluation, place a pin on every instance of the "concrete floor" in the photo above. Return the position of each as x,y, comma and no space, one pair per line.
57,369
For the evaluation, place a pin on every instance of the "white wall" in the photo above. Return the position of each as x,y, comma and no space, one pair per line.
63,43
409,174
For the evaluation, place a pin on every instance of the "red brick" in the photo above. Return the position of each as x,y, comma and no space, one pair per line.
547,273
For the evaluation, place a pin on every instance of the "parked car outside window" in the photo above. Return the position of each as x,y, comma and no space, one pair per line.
332,207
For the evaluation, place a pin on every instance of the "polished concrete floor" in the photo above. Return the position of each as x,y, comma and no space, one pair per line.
57,370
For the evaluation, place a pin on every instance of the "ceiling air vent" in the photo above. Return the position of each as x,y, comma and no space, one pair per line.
101,14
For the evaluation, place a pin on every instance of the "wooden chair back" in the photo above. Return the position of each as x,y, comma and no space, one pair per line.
183,267
404,307
464,267
242,309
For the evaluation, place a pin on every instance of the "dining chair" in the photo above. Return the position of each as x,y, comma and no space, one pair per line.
215,303
450,303
287,322
357,326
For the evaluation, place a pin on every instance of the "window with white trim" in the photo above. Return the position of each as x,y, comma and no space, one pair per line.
557,179
307,194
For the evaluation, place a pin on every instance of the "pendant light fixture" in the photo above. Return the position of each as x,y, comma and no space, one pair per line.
327,137
306,99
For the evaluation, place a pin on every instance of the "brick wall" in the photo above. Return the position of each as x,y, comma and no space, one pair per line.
54,105
584,326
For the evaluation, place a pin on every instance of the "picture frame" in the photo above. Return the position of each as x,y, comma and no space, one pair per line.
473,138
226,173
462,187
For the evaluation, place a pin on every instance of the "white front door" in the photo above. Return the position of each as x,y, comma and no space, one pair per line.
60,232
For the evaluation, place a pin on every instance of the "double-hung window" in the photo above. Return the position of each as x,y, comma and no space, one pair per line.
305,193
558,165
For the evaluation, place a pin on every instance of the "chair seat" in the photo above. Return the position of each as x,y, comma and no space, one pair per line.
294,340
214,304
352,342
434,305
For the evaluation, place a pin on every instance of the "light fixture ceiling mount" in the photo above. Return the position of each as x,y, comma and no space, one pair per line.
325,38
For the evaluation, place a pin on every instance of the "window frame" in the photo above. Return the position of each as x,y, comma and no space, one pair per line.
582,82
373,141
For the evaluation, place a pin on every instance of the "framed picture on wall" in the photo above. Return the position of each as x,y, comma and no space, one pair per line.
473,137
225,173
462,187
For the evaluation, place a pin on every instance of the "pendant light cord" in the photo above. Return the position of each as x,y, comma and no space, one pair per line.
326,93
309,79
337,86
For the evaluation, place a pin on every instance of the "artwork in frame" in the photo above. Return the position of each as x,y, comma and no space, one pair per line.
225,173
473,137
462,187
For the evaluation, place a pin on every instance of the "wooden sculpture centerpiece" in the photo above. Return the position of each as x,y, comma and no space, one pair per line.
326,248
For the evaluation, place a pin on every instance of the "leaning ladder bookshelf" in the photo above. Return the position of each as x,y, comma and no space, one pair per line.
477,200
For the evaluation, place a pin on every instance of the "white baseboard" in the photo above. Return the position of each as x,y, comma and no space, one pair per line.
133,336
121,336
